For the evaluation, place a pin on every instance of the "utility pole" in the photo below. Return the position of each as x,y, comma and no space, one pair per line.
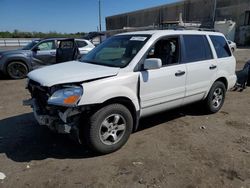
214,12
100,18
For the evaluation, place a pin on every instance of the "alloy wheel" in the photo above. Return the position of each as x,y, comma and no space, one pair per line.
112,129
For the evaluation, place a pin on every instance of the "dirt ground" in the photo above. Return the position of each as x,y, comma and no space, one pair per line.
180,148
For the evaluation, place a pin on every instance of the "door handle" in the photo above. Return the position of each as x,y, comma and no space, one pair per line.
212,67
53,53
180,73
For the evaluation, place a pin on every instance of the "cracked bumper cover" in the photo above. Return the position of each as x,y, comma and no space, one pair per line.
56,123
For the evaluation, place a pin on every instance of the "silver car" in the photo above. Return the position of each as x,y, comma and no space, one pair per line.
17,63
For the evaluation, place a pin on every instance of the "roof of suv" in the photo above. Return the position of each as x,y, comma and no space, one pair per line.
171,32
46,39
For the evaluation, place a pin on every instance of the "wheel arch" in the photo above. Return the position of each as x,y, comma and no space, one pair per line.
20,60
128,104
224,81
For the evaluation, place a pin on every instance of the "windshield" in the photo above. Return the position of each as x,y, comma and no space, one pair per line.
30,45
116,51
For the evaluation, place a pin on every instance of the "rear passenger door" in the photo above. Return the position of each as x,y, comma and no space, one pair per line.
66,51
200,64
225,59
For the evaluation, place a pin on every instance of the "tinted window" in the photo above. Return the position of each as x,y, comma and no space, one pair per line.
196,48
66,44
221,46
81,44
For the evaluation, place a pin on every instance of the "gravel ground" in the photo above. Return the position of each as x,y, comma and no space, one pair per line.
180,148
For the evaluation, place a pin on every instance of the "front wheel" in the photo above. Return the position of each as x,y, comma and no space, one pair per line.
17,70
108,129
216,97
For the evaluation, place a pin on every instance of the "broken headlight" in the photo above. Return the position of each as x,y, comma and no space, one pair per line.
67,96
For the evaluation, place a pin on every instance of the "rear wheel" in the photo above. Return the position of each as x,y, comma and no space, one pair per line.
108,129
17,70
216,97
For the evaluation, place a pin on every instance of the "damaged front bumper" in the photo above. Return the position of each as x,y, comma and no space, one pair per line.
64,122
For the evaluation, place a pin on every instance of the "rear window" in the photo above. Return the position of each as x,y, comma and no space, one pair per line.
196,48
221,46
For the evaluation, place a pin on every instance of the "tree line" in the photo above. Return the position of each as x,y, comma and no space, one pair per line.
22,34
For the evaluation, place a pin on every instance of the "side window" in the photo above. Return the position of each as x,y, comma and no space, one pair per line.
196,48
166,49
81,44
49,45
221,46
66,44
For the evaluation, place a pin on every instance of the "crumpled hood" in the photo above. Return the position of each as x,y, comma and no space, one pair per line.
70,72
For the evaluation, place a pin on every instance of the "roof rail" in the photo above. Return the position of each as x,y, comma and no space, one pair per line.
194,28
207,29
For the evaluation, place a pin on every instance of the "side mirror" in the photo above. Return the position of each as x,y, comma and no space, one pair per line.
152,63
35,49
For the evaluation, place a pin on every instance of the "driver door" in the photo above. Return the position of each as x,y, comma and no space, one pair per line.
44,53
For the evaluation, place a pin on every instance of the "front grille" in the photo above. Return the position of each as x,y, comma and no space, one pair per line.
40,93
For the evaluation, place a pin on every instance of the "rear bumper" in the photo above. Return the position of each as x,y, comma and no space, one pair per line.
231,81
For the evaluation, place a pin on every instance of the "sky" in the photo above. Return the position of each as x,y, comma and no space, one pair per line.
65,16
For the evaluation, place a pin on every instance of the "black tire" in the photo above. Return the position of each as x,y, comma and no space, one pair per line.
99,127
17,70
216,97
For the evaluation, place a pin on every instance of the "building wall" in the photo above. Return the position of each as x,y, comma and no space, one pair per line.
192,11
236,11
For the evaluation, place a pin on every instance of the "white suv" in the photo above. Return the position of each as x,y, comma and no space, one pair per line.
101,98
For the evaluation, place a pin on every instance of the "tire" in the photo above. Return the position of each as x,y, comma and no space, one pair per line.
108,129
17,70
215,98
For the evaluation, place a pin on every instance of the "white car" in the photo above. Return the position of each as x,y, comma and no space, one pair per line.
101,98
232,45
84,46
